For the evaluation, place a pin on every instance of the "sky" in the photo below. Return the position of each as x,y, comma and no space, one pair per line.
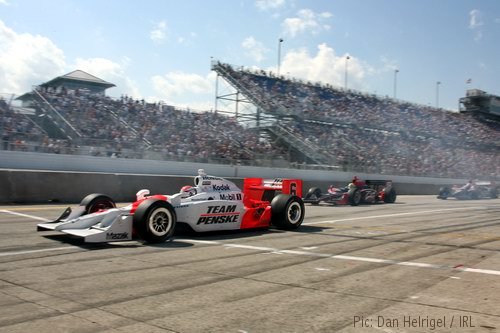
422,51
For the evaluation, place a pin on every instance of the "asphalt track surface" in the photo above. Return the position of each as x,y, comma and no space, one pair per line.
419,265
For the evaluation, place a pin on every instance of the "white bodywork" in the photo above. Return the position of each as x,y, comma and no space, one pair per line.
213,203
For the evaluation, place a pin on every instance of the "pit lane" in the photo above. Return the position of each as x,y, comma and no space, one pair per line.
420,264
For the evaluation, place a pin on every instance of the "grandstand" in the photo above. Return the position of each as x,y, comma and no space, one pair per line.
363,132
295,124
479,102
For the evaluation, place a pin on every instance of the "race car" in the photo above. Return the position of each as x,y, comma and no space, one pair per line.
469,191
356,193
212,204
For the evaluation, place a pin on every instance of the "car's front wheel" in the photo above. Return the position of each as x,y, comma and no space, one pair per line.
314,193
97,202
154,220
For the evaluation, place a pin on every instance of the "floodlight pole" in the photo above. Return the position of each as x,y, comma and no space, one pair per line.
345,78
279,54
437,93
396,71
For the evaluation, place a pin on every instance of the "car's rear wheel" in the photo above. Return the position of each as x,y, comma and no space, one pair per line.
390,197
287,211
154,220
97,202
354,197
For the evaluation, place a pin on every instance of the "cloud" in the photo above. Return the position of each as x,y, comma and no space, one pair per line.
179,87
27,60
475,23
475,19
325,66
254,49
110,71
269,4
159,32
306,21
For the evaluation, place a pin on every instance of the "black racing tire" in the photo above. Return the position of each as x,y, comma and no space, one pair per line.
354,197
287,211
444,193
154,220
96,202
314,193
391,196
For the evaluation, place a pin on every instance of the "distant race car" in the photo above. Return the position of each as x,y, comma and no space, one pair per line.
356,193
469,191
213,203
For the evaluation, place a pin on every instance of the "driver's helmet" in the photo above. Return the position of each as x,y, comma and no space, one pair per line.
188,191
186,188
142,194
358,182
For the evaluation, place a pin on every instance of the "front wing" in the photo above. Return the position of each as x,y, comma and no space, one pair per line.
106,226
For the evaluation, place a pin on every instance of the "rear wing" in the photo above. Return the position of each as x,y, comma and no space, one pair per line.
485,183
378,182
261,189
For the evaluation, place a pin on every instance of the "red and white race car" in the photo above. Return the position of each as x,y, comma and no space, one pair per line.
213,203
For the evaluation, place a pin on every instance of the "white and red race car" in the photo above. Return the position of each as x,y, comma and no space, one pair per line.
212,204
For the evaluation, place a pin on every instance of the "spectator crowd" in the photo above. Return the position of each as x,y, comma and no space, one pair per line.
364,132
375,134
113,127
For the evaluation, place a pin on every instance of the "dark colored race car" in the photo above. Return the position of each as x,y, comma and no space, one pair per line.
357,192
470,191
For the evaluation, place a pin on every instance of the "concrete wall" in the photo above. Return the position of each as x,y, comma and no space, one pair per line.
25,186
39,178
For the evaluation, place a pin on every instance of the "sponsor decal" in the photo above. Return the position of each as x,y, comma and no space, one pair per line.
219,214
116,236
276,182
221,209
210,178
223,187
293,188
230,196
218,219
181,206
206,182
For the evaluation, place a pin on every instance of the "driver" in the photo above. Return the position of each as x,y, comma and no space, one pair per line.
332,189
357,182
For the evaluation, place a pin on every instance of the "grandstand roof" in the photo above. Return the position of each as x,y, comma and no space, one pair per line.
74,80
79,76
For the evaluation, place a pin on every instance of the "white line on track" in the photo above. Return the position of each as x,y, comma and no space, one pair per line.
344,257
5,254
393,215
296,252
24,215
